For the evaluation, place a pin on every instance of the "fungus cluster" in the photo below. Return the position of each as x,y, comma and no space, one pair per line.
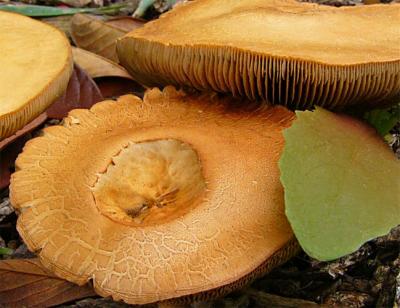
179,194
36,63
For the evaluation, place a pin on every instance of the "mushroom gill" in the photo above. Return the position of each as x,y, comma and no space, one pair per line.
36,63
175,196
280,51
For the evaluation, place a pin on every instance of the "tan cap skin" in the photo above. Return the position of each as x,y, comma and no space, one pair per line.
168,197
281,51
35,64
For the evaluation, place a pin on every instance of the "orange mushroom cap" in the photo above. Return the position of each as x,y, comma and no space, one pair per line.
281,51
171,196
35,64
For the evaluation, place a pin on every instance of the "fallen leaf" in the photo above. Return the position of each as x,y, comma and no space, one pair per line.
98,66
7,159
112,87
82,92
26,283
383,119
76,3
12,146
92,34
126,23
48,11
42,10
62,23
341,183
26,129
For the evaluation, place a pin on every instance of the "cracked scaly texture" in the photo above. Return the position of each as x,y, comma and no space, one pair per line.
225,240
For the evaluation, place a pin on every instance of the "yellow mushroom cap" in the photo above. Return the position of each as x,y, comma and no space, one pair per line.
35,66
171,196
282,51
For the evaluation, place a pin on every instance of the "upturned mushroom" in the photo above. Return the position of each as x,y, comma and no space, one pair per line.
151,200
280,51
36,63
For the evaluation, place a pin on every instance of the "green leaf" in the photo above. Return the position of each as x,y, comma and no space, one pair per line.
341,183
5,251
43,11
48,11
383,119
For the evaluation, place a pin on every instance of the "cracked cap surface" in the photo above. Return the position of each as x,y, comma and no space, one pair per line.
189,191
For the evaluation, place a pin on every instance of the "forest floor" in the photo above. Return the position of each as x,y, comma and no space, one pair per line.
367,278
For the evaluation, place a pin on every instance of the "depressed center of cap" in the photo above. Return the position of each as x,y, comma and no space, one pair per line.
150,183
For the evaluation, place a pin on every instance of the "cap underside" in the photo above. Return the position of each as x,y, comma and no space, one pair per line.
294,54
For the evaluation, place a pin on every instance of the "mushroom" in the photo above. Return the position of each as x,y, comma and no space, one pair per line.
36,63
280,51
176,195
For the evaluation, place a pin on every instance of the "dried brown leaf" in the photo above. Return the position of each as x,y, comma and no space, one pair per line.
76,3
98,66
126,23
26,283
95,35
63,23
113,87
7,159
12,146
82,92
26,129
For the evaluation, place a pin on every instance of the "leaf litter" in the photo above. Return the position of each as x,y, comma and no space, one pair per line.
40,287
99,36
368,277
